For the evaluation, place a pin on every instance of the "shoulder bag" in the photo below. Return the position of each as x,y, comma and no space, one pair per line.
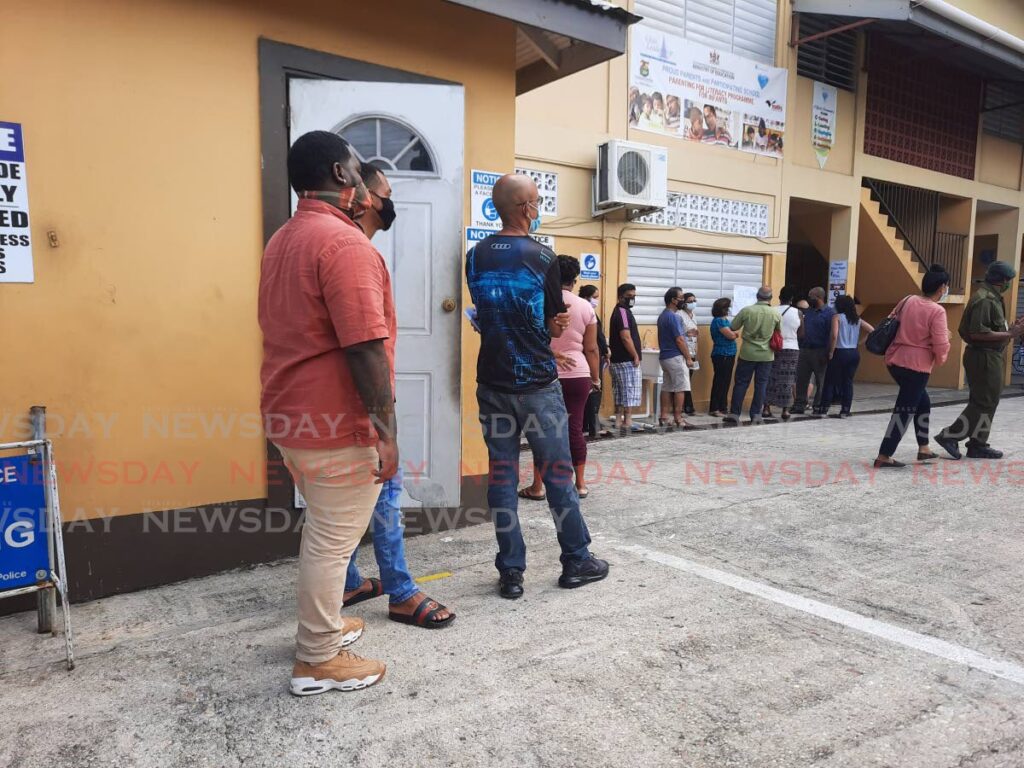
879,340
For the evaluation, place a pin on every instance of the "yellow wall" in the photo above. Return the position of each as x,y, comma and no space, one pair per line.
559,126
142,136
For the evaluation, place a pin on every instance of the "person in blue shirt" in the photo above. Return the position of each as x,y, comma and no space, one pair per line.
815,338
723,356
516,285
676,360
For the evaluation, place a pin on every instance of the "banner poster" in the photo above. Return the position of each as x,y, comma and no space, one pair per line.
696,93
823,121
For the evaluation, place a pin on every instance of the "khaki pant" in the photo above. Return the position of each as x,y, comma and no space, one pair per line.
340,493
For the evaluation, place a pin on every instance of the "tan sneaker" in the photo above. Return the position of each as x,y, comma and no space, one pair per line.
351,630
345,672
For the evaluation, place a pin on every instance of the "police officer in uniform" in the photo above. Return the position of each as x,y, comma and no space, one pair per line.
985,331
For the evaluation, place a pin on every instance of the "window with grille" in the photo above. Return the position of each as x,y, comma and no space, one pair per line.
832,59
745,27
706,274
920,110
1004,115
394,146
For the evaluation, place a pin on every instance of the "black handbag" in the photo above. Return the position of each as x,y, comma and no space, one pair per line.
878,340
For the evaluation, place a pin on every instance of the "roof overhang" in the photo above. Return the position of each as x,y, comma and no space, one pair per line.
982,47
555,38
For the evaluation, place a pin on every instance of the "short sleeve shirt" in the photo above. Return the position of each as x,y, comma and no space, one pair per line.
789,316
516,287
984,312
723,347
323,288
670,327
622,320
570,343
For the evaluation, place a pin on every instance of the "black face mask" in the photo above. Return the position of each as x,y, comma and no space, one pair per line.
628,303
387,213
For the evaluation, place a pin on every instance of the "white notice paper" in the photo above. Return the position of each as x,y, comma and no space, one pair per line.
743,296
15,234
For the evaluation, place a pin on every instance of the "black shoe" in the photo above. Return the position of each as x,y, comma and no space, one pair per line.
510,584
796,411
580,572
983,452
950,446
690,411
731,418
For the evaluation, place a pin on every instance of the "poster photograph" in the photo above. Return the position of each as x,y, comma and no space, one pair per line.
696,93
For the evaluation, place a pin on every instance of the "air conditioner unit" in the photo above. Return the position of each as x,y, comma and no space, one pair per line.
632,176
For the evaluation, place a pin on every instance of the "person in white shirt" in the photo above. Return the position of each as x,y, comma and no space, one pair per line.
780,386
692,334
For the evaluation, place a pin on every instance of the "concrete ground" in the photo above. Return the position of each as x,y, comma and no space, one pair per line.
809,613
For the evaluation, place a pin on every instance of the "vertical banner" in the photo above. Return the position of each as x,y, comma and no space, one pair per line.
823,121
697,93
837,271
15,235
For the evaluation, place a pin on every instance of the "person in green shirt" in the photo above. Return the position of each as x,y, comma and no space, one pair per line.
985,331
757,323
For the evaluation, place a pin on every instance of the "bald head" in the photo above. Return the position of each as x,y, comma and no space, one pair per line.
510,196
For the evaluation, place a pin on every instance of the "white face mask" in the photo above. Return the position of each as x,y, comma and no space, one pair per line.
593,302
945,293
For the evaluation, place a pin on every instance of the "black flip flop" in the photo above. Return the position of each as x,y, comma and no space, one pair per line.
424,616
362,597
525,494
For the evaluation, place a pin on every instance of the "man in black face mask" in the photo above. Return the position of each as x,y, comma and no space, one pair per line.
381,213
407,604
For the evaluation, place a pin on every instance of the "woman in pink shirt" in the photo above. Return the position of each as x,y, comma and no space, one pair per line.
579,373
921,343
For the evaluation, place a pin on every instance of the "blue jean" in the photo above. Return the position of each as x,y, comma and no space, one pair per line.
388,545
540,417
839,379
745,371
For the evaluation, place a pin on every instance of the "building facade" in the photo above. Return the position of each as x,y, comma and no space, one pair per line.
154,142
917,159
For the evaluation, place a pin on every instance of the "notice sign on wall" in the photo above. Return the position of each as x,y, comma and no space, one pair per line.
823,121
485,215
837,272
15,235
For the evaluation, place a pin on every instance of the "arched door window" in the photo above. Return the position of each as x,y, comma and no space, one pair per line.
391,144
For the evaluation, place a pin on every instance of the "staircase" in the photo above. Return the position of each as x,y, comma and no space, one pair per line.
912,215
887,268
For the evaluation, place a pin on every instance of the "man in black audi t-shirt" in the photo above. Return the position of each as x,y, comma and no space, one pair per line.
516,286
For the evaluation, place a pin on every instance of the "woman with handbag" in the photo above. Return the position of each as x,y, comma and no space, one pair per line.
921,342
780,385
843,356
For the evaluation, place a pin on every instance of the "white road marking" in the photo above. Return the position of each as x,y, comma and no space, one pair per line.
931,645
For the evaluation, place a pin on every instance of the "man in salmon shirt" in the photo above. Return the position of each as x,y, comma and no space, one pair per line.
328,321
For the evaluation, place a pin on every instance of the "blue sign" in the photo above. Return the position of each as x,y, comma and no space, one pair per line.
489,211
590,266
24,549
12,149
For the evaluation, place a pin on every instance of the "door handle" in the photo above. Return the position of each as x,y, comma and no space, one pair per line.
448,304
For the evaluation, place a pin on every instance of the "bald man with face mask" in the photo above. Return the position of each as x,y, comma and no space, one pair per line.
516,285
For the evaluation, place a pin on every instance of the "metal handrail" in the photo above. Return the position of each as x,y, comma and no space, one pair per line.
888,207
914,213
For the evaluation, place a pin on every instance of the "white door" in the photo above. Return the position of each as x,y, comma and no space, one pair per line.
415,133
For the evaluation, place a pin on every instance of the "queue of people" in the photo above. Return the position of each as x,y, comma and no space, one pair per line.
327,312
